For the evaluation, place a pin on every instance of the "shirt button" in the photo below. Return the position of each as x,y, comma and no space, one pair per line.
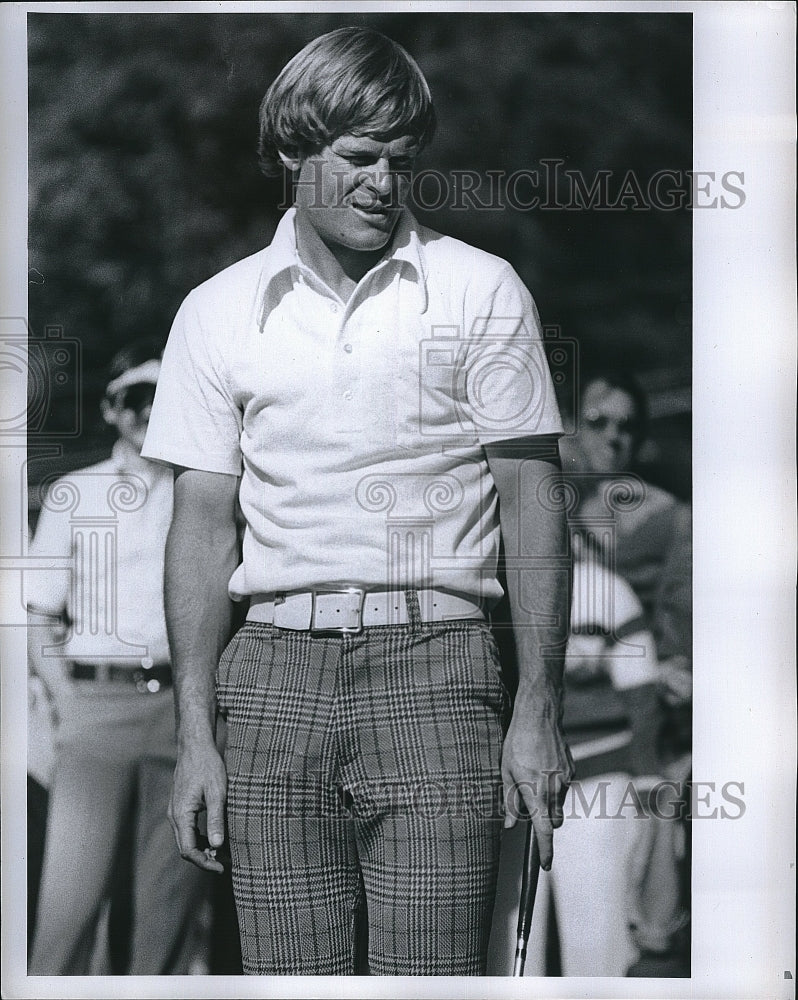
334,307
348,348
348,394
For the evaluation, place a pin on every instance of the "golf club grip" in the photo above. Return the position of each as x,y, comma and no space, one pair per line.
529,882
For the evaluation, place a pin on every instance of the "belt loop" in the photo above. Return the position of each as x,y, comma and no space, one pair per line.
414,619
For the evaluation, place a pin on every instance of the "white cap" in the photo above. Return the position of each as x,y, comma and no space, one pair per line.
146,372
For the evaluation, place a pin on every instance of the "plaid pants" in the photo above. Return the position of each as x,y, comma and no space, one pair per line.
364,788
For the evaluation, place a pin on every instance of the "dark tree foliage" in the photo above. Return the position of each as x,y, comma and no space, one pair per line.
144,180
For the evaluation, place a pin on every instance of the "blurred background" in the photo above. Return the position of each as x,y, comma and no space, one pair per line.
144,182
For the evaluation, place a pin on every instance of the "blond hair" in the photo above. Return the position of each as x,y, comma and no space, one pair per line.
352,81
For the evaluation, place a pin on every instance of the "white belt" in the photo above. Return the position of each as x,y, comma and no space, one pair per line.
349,609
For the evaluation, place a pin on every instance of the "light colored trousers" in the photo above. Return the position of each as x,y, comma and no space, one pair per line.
114,766
588,888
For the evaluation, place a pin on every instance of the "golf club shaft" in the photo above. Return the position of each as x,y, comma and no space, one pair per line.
529,885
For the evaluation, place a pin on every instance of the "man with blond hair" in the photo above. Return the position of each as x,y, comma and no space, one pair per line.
376,398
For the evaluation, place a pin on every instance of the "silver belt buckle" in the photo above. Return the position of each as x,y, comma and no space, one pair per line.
337,610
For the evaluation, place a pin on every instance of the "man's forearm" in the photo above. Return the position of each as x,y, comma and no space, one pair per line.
46,630
539,602
535,541
536,760
201,555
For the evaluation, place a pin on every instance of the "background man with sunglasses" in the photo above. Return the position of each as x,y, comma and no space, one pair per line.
651,547
643,534
97,641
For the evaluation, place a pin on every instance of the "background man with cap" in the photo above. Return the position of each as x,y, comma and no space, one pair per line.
97,641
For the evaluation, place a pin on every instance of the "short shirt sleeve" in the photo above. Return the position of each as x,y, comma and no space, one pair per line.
195,421
507,387
46,583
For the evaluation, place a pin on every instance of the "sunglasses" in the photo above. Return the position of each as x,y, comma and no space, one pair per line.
136,397
600,422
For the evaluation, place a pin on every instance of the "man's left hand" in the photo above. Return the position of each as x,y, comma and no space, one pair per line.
537,768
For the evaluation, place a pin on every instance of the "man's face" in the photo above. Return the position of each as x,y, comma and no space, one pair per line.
130,413
607,429
353,191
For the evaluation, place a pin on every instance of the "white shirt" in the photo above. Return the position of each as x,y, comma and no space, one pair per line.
100,537
358,426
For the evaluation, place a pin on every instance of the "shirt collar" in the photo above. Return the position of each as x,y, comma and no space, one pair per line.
284,262
406,246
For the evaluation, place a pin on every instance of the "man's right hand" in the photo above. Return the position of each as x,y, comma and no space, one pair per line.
47,630
200,784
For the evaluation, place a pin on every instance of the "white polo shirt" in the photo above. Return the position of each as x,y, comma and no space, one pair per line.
357,427
100,542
